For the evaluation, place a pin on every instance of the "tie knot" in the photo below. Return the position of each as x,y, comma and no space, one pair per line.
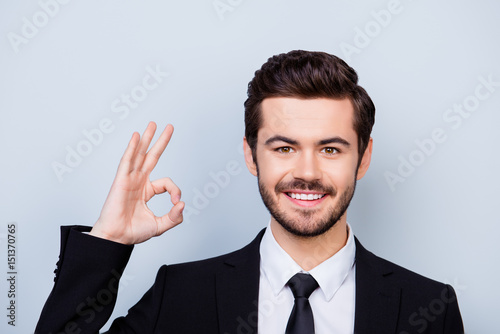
302,285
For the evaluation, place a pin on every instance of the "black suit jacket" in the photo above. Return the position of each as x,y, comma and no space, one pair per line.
220,295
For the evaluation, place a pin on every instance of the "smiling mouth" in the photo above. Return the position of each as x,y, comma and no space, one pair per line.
304,196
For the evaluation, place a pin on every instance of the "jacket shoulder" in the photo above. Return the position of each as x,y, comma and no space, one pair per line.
403,297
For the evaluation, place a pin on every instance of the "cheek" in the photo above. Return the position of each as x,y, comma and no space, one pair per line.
272,171
341,176
270,175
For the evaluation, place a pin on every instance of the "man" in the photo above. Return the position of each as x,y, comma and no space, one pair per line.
307,139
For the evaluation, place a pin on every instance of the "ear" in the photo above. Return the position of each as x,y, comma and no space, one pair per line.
365,161
251,165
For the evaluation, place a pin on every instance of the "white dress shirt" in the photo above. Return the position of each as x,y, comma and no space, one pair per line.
332,303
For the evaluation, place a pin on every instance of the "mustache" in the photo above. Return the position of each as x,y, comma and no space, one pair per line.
304,185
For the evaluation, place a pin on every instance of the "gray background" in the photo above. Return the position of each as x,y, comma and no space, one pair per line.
62,78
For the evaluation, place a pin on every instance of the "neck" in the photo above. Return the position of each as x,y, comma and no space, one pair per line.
308,252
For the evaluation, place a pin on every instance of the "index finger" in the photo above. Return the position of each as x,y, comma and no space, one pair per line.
156,151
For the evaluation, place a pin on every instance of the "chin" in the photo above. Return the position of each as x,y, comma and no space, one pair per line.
307,228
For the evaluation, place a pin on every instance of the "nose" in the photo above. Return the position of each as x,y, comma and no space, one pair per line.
307,167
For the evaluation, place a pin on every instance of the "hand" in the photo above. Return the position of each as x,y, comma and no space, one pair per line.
125,216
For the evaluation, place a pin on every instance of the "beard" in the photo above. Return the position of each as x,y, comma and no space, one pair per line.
302,222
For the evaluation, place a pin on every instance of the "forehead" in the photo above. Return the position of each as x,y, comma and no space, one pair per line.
307,118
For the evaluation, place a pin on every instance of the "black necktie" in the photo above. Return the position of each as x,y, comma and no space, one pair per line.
301,319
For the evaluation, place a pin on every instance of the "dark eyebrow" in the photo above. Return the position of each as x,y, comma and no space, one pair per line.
281,138
334,140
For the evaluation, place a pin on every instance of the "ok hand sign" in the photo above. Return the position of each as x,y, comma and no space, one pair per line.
125,216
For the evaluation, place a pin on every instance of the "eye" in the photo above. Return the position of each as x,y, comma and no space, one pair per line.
284,149
330,150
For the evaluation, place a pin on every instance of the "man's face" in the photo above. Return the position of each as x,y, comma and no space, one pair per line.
307,158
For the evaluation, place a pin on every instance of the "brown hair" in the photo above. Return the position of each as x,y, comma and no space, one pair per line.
306,74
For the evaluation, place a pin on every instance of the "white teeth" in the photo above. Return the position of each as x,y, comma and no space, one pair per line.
305,197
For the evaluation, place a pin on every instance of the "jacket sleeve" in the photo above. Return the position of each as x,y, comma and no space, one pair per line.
86,283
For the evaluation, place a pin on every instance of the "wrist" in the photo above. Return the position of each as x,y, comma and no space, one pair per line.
97,232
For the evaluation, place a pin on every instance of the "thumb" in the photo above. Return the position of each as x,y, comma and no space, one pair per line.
171,219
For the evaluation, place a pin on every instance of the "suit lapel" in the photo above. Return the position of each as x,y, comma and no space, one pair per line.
237,290
377,301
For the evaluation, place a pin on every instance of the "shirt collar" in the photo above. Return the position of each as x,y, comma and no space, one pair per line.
278,267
